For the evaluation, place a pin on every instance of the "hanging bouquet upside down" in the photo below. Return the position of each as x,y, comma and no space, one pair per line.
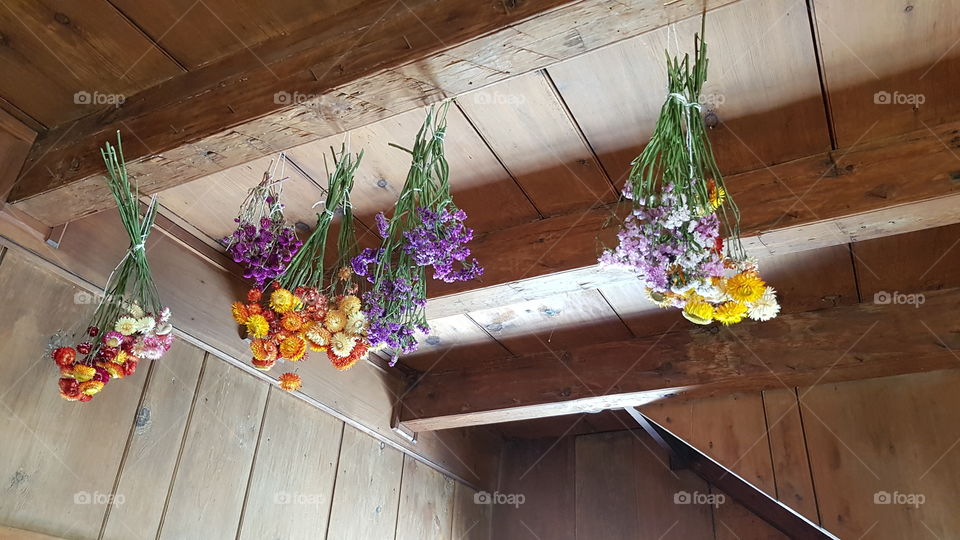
674,237
304,308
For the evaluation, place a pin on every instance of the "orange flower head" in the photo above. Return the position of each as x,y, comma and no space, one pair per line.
342,363
254,309
335,320
115,371
344,273
265,364
130,366
83,372
263,349
282,301
293,348
290,382
65,356
254,295
240,312
291,321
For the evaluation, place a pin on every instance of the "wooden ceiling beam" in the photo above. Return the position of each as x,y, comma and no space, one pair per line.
803,349
898,185
370,62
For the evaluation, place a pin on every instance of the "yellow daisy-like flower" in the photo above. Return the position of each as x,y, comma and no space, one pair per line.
335,320
730,312
290,382
342,344
126,325
91,387
350,304
699,312
121,357
282,300
257,326
239,312
717,196
745,287
83,372
293,348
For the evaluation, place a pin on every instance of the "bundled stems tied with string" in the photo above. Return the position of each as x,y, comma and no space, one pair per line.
683,236
129,323
426,230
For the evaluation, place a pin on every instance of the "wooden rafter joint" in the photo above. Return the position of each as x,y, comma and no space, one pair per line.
838,344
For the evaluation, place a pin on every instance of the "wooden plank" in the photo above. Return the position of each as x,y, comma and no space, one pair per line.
207,491
544,472
788,450
453,342
877,447
552,323
367,494
426,503
616,93
367,63
471,520
843,343
60,459
607,499
10,533
198,34
154,444
55,49
870,91
533,135
922,261
291,487
874,190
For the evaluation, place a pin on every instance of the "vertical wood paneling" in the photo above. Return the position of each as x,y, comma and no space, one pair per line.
210,481
54,478
367,494
154,444
426,503
471,520
291,487
607,503
788,449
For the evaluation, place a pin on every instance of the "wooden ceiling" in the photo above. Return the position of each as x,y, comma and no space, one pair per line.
788,80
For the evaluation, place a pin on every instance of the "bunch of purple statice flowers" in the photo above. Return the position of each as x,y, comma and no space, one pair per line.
669,244
427,230
263,243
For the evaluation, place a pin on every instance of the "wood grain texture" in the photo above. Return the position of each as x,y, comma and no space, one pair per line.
53,49
616,92
875,190
539,143
291,486
471,521
869,88
426,503
875,443
54,481
843,343
208,487
367,63
909,263
367,495
154,444
788,450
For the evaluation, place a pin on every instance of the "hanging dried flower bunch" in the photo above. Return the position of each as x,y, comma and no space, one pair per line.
427,230
307,307
263,243
129,324
674,237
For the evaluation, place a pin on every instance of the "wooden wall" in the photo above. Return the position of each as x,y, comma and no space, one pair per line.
871,459
191,447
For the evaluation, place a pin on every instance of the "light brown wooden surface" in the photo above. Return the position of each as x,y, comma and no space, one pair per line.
154,444
842,343
426,504
291,486
788,450
471,520
873,444
207,490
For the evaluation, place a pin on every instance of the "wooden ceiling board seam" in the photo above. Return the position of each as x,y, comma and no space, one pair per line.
821,72
147,36
496,156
